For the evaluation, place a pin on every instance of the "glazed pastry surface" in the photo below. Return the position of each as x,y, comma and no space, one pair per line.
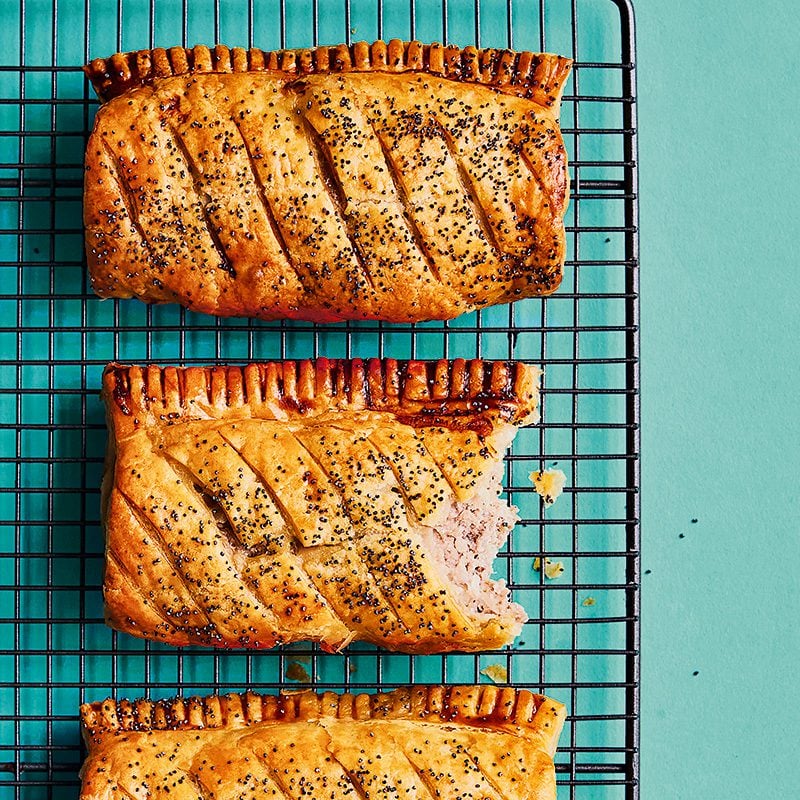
416,742
395,181
312,500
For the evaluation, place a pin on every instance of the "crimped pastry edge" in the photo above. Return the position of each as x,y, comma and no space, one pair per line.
437,388
480,706
538,76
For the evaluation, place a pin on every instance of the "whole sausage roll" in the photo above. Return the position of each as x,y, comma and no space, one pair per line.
396,182
417,742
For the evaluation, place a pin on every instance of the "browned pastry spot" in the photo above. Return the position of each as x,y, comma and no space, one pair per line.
401,182
323,500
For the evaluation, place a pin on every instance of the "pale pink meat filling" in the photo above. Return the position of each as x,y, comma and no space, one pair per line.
465,544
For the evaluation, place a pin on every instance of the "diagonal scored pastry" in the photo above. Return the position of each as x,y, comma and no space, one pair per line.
312,500
417,742
395,181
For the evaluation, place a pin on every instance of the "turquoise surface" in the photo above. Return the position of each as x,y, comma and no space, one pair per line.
718,144
718,118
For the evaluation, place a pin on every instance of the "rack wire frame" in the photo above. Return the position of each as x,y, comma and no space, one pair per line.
582,644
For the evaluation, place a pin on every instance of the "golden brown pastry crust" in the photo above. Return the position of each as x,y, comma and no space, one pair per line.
257,505
539,76
400,182
435,741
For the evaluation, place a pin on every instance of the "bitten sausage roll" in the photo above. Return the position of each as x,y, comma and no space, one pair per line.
323,500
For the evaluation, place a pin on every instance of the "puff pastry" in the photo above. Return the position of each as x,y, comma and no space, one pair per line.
321,500
417,742
393,181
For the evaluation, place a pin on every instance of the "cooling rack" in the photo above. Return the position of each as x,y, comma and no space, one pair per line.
582,645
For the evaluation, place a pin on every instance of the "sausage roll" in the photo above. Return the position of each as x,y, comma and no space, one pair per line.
416,742
393,181
312,500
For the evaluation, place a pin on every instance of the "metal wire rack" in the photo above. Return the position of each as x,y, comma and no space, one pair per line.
582,645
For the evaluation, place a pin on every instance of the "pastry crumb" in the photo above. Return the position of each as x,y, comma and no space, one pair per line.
549,484
302,659
496,673
552,569
297,672
589,601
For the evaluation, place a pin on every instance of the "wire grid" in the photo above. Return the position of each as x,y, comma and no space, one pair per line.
581,645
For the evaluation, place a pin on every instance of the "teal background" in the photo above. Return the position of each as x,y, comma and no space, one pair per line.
718,119
719,172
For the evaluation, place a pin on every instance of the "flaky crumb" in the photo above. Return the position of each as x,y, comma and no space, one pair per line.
552,569
589,601
496,672
549,484
297,672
